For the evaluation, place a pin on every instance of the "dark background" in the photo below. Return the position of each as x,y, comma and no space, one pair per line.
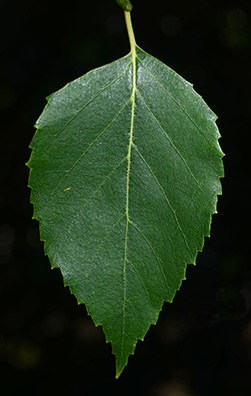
202,342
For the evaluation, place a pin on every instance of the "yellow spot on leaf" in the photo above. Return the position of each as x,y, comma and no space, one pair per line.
67,189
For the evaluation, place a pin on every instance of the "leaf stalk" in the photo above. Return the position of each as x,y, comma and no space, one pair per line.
130,31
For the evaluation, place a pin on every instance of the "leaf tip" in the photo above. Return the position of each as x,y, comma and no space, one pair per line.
119,372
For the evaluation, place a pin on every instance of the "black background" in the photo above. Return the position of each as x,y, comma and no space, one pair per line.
202,342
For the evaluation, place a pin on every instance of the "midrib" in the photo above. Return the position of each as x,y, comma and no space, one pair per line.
133,54
128,185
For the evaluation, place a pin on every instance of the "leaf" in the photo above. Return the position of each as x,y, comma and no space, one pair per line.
125,174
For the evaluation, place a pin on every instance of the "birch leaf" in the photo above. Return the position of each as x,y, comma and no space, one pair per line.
125,170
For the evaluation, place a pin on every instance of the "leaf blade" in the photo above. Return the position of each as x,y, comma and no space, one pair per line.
124,183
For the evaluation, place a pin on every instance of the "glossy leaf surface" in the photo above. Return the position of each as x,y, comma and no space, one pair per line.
125,171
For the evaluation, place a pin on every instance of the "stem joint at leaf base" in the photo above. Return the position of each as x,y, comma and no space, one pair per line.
125,4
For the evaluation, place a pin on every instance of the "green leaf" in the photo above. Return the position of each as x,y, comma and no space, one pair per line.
125,174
